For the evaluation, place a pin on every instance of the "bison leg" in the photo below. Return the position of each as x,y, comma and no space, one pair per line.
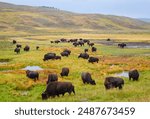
120,87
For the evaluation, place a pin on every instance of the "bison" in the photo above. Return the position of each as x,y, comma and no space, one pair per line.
52,78
37,47
122,45
14,41
64,54
113,82
32,74
18,46
94,49
65,71
84,56
85,50
58,57
68,51
17,50
134,74
93,59
57,88
86,78
49,56
26,48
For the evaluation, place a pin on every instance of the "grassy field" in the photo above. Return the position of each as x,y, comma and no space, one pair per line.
15,86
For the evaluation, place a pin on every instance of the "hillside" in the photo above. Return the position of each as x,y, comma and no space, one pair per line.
28,19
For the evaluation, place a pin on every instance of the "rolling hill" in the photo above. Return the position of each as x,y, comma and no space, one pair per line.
20,18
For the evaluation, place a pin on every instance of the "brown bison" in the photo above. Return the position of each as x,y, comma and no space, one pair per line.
49,56
113,82
57,88
93,59
18,46
26,48
17,50
84,56
134,74
58,57
94,49
14,41
65,71
86,78
52,78
32,74
64,54
37,47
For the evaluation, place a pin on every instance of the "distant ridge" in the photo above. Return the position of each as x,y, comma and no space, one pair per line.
30,19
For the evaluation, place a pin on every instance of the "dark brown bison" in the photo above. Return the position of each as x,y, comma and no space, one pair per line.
134,74
58,57
94,49
113,82
52,78
49,56
85,50
65,71
86,78
68,51
26,48
122,45
93,59
108,39
17,50
64,54
84,56
91,44
57,88
14,41
57,41
18,46
37,47
32,74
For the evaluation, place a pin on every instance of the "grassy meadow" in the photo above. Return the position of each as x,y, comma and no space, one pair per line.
15,86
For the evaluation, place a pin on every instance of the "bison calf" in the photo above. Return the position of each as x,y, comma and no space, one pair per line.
113,82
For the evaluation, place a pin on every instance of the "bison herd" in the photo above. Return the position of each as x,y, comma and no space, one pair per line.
55,87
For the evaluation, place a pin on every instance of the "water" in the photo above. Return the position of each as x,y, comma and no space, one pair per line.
32,68
147,47
122,74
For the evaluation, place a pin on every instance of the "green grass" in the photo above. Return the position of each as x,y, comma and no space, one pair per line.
15,86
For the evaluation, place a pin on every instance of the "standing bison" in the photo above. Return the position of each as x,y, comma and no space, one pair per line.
113,82
49,56
94,49
17,50
57,88
134,74
85,50
65,71
84,56
64,54
18,46
14,41
52,78
32,74
93,59
86,78
26,48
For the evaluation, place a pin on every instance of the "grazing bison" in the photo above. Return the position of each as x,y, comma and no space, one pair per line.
68,51
108,39
84,56
37,47
18,46
122,45
26,48
64,54
57,41
134,74
86,78
49,56
32,74
14,41
85,50
52,78
58,57
93,59
91,44
94,49
113,82
57,88
65,71
17,50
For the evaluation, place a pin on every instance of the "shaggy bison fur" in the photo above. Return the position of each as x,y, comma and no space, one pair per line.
52,78
32,74
57,88
86,78
113,82
65,71
134,74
